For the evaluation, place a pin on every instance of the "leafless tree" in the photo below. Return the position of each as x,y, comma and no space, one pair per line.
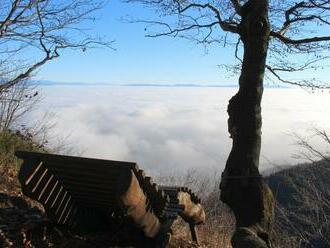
309,151
294,35
15,102
33,32
303,206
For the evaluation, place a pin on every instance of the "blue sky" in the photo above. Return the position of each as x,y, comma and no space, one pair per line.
141,60
137,59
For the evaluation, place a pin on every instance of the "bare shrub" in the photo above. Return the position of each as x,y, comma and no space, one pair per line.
303,197
15,103
309,151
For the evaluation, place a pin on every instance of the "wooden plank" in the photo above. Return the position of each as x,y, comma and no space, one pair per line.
83,168
63,198
193,232
72,217
70,159
67,215
41,183
34,173
46,186
88,183
34,180
93,198
64,209
28,167
95,190
82,178
50,191
57,197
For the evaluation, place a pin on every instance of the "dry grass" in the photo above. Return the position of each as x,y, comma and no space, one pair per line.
303,205
216,232
220,223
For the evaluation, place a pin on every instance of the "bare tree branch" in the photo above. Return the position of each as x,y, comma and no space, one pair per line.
237,6
43,27
301,83
310,151
287,40
230,27
296,30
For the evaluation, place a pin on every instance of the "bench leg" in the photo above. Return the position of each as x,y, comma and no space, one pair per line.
164,236
193,232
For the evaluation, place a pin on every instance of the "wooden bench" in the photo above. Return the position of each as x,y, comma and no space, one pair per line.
90,195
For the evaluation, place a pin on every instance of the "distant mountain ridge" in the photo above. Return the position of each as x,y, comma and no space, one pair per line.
179,85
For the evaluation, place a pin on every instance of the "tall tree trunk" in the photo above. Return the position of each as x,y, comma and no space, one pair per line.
242,187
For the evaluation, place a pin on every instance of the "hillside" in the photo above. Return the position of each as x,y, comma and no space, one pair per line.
303,205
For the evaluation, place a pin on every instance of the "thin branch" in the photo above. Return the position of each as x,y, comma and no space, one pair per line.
303,83
236,51
237,6
323,134
311,149
27,73
322,5
287,40
294,68
176,31
46,25
225,26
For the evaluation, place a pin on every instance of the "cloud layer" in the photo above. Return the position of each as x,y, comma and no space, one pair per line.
175,129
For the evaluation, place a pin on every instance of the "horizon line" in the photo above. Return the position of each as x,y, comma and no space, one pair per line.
193,85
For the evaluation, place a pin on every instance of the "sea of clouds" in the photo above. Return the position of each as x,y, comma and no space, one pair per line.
175,129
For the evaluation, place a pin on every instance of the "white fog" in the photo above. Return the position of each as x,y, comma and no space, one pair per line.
172,129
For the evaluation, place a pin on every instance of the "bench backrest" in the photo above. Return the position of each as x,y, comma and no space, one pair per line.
79,192
90,194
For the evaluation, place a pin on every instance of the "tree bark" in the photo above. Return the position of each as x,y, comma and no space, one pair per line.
242,186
